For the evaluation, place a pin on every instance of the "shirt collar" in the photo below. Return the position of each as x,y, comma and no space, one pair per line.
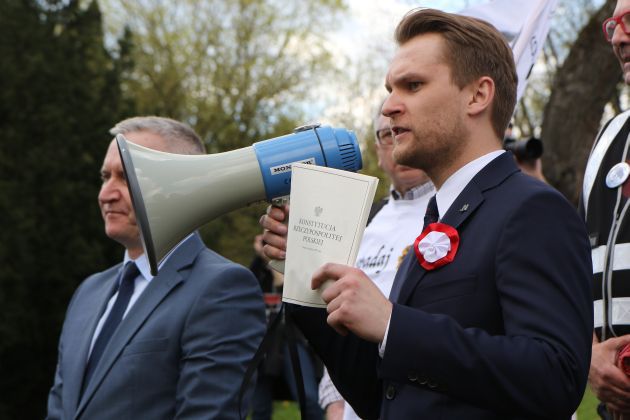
143,262
456,183
413,193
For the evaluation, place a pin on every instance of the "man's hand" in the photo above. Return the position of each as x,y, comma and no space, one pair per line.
334,410
258,246
354,302
607,381
275,234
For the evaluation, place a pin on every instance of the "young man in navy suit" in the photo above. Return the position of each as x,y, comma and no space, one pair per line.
174,345
490,316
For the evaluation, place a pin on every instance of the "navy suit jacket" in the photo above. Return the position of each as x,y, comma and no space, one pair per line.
181,351
502,332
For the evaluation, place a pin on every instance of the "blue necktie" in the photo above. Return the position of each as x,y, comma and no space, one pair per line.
125,290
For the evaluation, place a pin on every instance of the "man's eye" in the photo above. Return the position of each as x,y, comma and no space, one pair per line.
414,85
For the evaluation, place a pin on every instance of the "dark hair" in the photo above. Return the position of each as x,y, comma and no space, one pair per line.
474,48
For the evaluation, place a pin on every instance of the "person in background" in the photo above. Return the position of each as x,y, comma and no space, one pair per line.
531,166
142,347
388,237
604,204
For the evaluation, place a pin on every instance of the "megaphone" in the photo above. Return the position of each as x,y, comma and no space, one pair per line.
174,194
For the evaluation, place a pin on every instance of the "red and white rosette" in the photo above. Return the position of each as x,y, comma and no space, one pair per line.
436,246
623,359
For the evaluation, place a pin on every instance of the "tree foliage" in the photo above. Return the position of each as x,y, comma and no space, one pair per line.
354,101
237,71
585,82
576,81
59,94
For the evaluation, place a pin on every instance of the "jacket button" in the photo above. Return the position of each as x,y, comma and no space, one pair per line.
390,393
422,380
412,376
432,385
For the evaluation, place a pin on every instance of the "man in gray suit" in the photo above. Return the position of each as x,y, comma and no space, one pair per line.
134,346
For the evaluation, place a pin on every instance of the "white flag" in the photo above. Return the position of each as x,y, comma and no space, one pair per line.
525,24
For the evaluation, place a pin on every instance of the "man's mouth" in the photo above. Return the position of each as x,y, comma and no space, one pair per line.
624,54
113,212
397,130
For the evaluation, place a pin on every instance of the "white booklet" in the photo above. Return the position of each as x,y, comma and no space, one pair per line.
329,211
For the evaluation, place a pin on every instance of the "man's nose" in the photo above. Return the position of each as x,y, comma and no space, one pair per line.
391,106
619,37
109,192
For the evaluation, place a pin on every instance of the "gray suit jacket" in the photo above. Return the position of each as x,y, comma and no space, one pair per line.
181,351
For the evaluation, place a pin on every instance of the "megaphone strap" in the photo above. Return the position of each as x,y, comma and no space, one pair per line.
264,346
295,362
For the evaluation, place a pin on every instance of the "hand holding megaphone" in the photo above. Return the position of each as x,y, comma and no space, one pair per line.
173,194
275,233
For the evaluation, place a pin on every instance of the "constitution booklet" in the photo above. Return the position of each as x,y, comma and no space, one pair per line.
328,214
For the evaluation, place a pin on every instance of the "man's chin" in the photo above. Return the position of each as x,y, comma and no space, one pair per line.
625,69
116,233
400,157
112,234
404,168
404,162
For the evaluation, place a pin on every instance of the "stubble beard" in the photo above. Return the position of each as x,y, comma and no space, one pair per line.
434,150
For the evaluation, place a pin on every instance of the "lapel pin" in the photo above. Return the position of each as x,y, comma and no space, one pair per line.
464,208
617,175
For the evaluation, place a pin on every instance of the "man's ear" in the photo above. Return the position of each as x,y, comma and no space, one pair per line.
482,95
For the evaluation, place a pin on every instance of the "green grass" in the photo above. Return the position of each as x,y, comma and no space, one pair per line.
288,410
588,408
285,410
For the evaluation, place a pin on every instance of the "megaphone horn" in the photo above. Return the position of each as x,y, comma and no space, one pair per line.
174,194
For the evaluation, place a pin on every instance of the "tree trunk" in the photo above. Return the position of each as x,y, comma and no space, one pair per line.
583,85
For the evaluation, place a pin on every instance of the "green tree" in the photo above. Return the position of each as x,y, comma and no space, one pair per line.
237,71
356,99
59,94
586,81
575,82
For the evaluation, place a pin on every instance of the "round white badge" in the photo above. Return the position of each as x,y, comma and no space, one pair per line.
617,175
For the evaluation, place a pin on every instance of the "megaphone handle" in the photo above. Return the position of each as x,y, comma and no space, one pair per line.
278,265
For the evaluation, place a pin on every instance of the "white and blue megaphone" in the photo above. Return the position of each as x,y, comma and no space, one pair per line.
173,194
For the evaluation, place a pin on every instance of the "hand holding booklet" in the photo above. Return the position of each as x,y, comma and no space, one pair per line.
329,211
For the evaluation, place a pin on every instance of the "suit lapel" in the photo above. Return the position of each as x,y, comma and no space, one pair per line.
464,206
409,269
106,285
158,288
471,197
